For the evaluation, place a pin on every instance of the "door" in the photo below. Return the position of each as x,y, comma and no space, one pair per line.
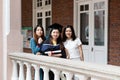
92,28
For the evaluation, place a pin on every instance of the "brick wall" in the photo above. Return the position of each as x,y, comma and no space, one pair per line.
62,11
114,32
26,12
27,17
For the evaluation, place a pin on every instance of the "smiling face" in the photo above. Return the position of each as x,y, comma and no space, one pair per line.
68,33
55,34
39,31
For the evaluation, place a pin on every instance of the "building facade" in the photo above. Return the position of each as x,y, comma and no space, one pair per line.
63,12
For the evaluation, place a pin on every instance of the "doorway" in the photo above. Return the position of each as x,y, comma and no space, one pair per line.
92,29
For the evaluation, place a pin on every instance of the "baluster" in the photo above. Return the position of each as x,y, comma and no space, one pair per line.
56,73
69,75
46,72
37,74
14,71
28,74
93,78
21,71
116,79
82,77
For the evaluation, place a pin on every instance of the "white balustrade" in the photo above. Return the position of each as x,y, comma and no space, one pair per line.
46,72
14,71
28,74
56,74
83,70
81,77
69,75
37,70
21,71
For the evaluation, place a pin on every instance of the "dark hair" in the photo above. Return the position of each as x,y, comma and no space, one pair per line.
35,36
64,37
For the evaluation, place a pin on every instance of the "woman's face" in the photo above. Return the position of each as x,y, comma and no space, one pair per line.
39,31
55,34
68,32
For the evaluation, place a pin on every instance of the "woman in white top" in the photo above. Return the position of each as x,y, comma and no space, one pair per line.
72,44
73,47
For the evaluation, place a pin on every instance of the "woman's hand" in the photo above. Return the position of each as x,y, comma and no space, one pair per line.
40,40
38,53
81,53
67,54
68,57
50,53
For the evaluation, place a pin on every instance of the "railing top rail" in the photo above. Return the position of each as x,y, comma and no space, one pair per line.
86,68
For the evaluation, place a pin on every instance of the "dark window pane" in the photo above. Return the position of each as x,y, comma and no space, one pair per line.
39,21
49,1
37,14
48,21
37,4
45,2
81,8
84,28
87,7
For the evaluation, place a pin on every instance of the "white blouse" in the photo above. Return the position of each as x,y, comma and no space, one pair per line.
72,47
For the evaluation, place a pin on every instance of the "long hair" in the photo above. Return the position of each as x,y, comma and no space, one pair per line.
35,35
64,37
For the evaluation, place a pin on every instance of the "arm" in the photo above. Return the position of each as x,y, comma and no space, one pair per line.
67,54
81,53
35,48
54,55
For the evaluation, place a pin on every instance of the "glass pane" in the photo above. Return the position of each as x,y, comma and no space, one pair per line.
49,13
45,13
38,15
41,14
99,5
99,28
81,7
49,1
37,4
87,7
45,2
40,3
39,21
84,28
48,21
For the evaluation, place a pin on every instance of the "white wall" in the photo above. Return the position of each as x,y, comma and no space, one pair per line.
14,39
12,42
1,44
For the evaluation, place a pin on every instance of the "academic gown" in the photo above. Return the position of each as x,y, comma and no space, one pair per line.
49,47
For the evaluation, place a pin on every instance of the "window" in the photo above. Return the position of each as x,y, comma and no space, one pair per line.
42,13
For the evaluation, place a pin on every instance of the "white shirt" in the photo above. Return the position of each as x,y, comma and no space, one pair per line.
72,47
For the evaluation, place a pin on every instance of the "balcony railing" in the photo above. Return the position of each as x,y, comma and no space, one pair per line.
84,70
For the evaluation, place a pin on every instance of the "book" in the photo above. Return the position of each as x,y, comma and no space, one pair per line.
55,52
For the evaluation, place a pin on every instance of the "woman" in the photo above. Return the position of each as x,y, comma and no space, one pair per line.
53,46
36,43
72,44
37,40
